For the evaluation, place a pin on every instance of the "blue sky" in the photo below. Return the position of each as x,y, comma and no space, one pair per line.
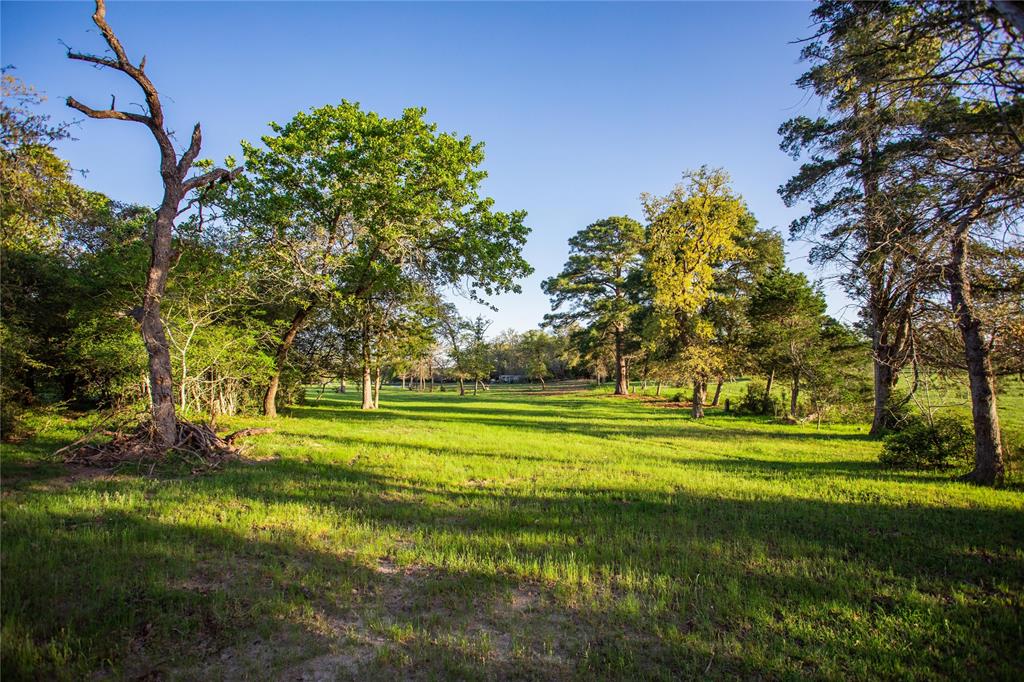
582,106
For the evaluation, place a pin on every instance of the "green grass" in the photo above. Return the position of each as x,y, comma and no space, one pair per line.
513,535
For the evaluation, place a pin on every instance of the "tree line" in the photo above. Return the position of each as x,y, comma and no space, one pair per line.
912,180
332,248
698,295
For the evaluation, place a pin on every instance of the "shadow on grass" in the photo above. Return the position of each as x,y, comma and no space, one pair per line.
498,581
763,468
674,578
560,419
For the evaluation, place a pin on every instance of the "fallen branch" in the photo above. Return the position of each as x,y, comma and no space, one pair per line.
245,433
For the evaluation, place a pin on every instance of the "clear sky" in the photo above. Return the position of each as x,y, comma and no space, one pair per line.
582,106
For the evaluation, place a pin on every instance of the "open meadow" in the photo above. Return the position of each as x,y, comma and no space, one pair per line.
723,304
519,534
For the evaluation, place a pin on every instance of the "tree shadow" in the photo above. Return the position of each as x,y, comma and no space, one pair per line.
395,578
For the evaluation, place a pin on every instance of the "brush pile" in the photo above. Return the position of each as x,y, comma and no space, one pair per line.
197,444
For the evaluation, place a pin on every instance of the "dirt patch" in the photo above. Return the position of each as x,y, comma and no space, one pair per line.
27,479
410,622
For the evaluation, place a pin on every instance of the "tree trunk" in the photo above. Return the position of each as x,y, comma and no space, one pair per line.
884,347
657,390
768,384
403,381
989,467
270,397
213,402
68,382
173,172
885,381
796,394
718,392
700,391
621,369
341,383
462,386
152,327
367,378
376,389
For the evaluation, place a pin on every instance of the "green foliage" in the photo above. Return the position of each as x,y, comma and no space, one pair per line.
367,197
757,401
694,233
598,286
693,230
929,444
36,191
110,360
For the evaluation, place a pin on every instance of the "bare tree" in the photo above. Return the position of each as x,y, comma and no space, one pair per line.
173,172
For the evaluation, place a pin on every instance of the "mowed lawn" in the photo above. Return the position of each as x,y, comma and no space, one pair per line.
518,534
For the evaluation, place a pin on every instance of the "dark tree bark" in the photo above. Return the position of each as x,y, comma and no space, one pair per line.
68,385
768,384
462,387
173,172
280,358
795,395
700,392
718,392
884,383
989,467
889,310
376,388
621,368
341,383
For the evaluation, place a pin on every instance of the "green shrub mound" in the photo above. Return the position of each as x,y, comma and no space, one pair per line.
755,401
929,444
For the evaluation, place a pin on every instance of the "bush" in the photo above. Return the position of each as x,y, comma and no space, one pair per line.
676,398
924,444
755,401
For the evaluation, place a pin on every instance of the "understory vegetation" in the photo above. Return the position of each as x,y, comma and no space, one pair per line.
526,534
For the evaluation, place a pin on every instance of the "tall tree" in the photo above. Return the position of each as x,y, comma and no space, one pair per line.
594,284
938,88
859,220
971,144
788,315
174,173
693,231
761,253
348,202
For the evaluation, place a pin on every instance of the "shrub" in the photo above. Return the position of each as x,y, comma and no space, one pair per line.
924,444
755,401
677,398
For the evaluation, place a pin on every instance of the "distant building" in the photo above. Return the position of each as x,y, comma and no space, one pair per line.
510,378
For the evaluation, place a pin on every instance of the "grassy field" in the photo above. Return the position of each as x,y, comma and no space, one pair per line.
519,534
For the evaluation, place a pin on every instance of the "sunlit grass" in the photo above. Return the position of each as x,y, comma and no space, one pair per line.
515,534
